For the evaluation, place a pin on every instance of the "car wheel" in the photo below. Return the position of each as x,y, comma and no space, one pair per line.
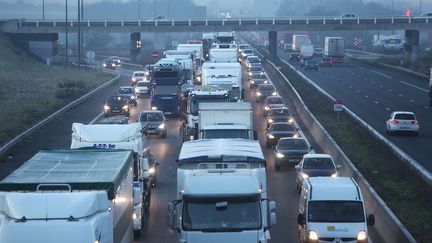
277,166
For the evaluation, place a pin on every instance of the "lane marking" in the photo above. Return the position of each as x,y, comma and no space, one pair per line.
365,79
358,91
381,86
387,109
350,87
366,96
390,90
412,101
382,74
400,95
96,118
426,107
376,102
424,90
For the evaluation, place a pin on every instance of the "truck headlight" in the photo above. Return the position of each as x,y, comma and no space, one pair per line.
252,82
271,136
258,93
334,175
279,155
296,135
266,108
312,235
362,236
154,108
104,65
134,79
152,171
290,120
191,137
270,120
274,93
134,216
136,90
125,107
106,107
304,175
250,73
161,126
133,97
262,73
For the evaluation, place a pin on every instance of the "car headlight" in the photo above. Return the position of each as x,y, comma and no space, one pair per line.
147,73
266,108
252,82
106,107
291,120
279,155
270,120
198,79
304,175
191,137
312,235
152,171
334,175
133,97
258,94
262,73
161,126
113,65
134,79
104,64
296,135
271,136
362,236
250,73
274,93
154,108
266,82
134,216
125,107
136,90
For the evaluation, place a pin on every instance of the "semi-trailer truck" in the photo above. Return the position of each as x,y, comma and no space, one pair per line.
334,48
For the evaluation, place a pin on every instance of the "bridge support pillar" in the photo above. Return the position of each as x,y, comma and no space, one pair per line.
411,45
44,46
272,44
135,46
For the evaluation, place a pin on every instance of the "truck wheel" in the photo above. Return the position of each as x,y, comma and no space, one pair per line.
277,166
137,233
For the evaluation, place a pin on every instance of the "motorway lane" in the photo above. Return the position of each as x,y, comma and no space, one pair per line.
373,92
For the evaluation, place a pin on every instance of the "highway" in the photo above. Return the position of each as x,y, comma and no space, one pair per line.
373,92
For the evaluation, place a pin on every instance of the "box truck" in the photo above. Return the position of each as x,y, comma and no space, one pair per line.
334,48
298,41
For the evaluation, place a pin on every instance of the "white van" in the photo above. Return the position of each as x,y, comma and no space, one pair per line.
332,210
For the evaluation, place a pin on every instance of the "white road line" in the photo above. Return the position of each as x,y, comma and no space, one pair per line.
424,90
426,107
400,95
358,91
376,102
365,79
96,118
390,90
387,108
382,74
381,86
412,101
366,96
350,87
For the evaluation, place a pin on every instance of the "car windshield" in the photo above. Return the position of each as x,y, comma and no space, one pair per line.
279,112
165,74
404,117
294,144
126,91
266,88
222,214
194,104
142,84
248,51
318,163
139,74
117,98
256,69
275,100
151,117
253,60
282,127
336,211
227,133
166,90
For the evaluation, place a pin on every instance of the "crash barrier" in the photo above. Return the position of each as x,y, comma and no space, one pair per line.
58,113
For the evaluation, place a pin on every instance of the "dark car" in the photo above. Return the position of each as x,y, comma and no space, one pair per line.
313,165
294,57
263,91
326,62
279,115
273,102
109,64
311,65
117,105
155,121
290,151
256,71
256,81
129,92
279,130
252,60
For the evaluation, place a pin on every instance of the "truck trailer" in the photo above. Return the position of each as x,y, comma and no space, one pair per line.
69,196
298,41
334,48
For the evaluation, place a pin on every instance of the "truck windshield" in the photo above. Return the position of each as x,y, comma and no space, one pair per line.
228,133
165,90
194,104
336,211
221,214
165,74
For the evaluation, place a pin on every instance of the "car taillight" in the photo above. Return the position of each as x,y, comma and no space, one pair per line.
415,122
394,121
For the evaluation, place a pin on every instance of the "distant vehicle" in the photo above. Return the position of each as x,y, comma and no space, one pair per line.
116,105
273,102
294,57
427,15
116,60
257,81
129,92
109,64
142,88
334,47
256,71
279,115
159,18
155,122
242,47
247,52
313,165
265,90
326,62
391,43
307,51
311,64
298,41
138,76
250,60
346,16
318,51
278,130
402,121
290,151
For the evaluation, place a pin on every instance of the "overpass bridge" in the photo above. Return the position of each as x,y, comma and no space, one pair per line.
411,25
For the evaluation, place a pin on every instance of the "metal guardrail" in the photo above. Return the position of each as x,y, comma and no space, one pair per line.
38,125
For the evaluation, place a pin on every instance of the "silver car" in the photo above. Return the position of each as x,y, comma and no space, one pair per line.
402,121
313,165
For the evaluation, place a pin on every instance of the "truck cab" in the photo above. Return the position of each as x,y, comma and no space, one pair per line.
332,209
221,206
166,82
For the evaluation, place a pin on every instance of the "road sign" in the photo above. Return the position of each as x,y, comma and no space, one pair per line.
155,55
337,106
90,55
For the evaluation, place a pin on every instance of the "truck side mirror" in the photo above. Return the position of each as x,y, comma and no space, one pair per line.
371,219
272,218
301,219
170,216
272,205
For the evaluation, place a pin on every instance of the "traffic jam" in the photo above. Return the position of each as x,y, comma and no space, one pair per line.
214,86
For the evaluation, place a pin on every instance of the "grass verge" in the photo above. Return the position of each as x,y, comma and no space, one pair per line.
422,64
405,194
30,90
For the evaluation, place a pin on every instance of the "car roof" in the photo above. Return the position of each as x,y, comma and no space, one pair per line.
262,85
138,72
291,138
125,87
403,112
273,97
283,123
279,108
317,156
151,111
333,188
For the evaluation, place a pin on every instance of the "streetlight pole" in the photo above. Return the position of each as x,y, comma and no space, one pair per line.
43,9
420,7
67,26
154,8
139,9
169,5
79,34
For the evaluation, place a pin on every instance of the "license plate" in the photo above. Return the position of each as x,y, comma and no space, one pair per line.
115,110
152,131
166,98
168,112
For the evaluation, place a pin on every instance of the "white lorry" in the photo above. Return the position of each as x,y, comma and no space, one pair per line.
298,41
332,208
221,183
114,137
307,51
226,76
226,120
334,48
186,61
197,48
223,55
69,196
